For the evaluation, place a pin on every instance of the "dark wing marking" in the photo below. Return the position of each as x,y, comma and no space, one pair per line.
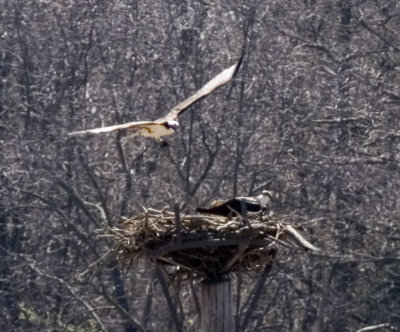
222,78
227,207
134,124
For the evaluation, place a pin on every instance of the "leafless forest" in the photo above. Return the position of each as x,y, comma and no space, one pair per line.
312,115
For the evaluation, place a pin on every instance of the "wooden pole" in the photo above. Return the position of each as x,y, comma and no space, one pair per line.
216,306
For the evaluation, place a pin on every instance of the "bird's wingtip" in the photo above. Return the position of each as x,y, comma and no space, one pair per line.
77,133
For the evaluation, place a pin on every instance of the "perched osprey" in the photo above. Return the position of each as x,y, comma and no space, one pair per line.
233,206
168,124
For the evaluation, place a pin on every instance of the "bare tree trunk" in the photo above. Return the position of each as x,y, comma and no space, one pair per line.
216,306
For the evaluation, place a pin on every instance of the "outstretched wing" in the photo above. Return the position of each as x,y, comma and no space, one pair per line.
128,125
222,78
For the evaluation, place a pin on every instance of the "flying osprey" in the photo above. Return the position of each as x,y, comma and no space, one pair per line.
233,206
169,123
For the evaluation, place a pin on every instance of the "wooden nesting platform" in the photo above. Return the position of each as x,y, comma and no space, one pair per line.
203,245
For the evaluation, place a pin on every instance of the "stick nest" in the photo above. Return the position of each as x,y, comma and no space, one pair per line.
202,245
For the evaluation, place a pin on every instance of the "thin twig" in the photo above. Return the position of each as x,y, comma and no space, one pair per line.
123,312
256,294
94,264
170,303
373,327
90,309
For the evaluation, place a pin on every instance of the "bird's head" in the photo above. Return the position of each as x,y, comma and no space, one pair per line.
173,124
266,193
265,198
